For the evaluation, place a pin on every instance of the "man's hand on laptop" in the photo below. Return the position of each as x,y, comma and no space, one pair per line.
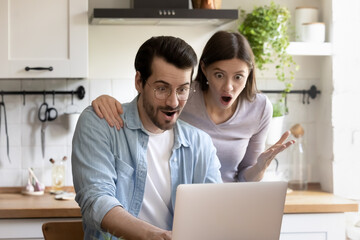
161,235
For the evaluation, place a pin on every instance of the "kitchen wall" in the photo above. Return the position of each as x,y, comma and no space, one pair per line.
111,56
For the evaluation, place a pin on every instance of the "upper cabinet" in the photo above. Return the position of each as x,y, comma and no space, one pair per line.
43,39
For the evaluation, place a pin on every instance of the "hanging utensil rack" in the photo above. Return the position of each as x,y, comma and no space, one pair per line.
310,93
79,92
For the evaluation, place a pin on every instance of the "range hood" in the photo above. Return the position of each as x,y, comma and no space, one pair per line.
162,12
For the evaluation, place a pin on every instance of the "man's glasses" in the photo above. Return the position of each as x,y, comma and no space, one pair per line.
163,92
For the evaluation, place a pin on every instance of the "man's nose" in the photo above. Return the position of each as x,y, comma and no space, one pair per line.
172,100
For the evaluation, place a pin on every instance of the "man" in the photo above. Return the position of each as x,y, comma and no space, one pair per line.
126,180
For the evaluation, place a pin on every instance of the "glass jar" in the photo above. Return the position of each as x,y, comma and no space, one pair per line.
58,176
298,168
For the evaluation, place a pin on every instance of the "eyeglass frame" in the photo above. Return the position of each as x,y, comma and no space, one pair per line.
170,92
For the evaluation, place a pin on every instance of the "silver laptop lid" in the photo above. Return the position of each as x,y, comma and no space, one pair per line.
229,211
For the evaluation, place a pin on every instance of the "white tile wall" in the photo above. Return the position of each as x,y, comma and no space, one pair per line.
111,54
24,130
24,127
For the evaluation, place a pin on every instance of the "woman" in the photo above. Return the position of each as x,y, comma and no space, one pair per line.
227,105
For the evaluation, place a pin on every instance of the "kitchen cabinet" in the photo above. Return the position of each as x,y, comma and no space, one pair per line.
22,229
315,215
50,35
22,216
324,226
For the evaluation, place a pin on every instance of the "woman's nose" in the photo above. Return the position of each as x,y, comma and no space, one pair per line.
228,86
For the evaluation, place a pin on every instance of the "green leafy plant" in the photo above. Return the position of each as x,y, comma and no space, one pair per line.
279,108
266,29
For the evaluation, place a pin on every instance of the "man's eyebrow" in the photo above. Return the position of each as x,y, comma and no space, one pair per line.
166,83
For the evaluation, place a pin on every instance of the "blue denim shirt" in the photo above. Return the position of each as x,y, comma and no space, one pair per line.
109,166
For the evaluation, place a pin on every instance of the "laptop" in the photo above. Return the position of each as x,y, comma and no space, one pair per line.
229,211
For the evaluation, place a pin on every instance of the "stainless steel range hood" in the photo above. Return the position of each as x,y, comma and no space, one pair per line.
162,12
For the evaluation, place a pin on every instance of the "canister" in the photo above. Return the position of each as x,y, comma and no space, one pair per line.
304,15
313,32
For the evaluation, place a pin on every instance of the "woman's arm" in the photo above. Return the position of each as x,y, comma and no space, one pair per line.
109,108
256,172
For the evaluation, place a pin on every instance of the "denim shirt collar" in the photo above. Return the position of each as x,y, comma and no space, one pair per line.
132,120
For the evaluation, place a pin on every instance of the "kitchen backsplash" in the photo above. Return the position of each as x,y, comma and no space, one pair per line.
111,72
24,126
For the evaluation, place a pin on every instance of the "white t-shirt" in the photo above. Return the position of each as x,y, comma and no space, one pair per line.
157,197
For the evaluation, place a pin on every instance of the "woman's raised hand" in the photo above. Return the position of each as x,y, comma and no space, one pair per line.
109,108
266,157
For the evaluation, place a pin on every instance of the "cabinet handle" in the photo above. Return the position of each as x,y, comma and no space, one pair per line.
39,68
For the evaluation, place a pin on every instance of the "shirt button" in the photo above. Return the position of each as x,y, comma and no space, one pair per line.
175,159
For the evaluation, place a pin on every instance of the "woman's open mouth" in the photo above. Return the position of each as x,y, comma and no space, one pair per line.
226,99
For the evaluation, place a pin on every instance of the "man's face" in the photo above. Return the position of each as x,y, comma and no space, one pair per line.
159,108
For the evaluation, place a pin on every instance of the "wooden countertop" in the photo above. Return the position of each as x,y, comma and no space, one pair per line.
316,201
15,205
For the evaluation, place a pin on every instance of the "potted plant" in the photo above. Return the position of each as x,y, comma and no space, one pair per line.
266,29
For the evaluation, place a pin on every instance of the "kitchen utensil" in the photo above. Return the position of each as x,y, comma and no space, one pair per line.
2,105
45,114
38,186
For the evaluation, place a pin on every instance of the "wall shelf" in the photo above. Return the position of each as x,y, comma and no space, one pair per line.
310,49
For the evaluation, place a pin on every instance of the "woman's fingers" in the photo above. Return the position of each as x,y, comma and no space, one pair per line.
283,137
117,111
96,108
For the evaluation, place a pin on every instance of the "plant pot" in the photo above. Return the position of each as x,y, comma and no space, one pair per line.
275,130
206,4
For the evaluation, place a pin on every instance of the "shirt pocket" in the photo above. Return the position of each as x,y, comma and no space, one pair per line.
125,183
123,169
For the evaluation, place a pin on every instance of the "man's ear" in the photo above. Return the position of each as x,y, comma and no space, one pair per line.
138,82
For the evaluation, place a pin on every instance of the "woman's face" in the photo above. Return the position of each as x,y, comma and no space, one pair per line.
227,79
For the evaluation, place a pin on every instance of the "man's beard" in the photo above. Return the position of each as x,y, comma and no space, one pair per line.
152,113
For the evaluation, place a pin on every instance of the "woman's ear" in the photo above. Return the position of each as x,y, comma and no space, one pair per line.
138,82
202,65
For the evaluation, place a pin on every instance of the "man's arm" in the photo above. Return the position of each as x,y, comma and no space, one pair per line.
120,223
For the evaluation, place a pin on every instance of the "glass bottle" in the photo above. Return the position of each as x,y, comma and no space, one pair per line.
298,167
58,175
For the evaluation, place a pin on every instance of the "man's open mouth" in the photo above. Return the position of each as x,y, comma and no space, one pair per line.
169,113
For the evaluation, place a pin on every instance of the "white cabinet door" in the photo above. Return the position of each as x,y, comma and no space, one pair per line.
317,226
43,34
19,229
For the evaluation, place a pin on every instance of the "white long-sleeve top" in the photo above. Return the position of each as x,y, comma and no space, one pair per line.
240,140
